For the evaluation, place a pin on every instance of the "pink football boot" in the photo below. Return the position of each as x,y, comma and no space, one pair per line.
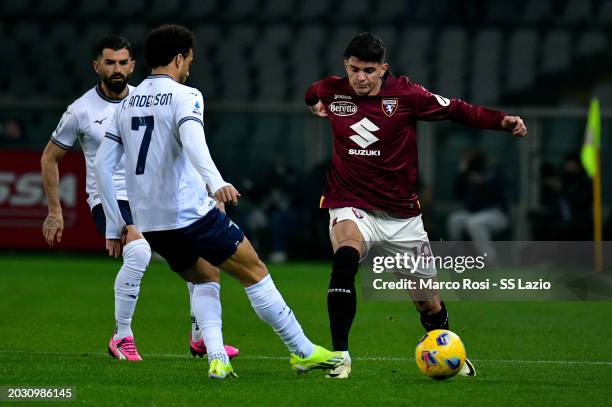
199,349
123,349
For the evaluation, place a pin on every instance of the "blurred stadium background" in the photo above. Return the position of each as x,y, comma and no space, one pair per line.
542,59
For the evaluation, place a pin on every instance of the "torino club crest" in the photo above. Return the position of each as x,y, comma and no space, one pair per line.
389,106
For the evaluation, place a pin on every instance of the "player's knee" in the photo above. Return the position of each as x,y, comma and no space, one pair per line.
207,272
137,254
345,265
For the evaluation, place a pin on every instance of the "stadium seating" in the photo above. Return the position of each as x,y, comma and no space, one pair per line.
605,12
520,67
451,62
486,67
245,43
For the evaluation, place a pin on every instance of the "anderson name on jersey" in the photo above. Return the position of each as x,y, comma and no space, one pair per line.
375,158
87,120
147,125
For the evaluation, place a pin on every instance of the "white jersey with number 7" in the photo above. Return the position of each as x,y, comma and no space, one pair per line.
164,190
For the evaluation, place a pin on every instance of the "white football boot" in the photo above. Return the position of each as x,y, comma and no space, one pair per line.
343,371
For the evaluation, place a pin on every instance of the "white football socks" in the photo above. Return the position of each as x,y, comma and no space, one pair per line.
136,257
206,306
196,334
271,308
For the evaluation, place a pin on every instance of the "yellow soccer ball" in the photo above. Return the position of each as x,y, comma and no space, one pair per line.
440,354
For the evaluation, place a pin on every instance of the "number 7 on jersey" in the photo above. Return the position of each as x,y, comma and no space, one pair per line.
149,124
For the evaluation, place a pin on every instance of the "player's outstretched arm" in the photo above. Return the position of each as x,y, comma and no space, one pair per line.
107,157
194,144
430,106
53,226
515,125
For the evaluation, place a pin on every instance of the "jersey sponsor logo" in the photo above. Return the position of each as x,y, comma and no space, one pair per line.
99,121
367,153
389,106
364,136
343,108
336,96
358,214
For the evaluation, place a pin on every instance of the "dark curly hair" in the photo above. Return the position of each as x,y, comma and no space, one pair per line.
165,42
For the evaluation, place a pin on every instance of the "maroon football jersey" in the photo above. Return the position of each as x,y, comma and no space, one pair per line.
375,159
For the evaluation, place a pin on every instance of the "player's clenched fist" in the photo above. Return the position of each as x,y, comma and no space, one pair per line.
515,125
227,194
318,109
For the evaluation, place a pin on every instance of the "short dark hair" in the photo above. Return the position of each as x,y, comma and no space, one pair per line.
165,42
114,42
367,47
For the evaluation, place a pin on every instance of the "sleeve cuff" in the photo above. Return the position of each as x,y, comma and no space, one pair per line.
215,186
113,137
196,119
60,144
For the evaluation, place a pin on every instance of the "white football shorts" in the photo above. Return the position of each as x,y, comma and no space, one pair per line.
385,235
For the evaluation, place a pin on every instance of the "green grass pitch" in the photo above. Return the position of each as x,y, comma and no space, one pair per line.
57,315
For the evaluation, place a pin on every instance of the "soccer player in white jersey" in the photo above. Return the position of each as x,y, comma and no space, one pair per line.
86,120
160,129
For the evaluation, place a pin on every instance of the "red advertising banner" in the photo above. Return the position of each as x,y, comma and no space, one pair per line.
23,205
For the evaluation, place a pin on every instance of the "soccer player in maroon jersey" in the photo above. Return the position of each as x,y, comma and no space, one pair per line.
370,187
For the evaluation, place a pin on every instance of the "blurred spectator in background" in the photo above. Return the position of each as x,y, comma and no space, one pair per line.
279,182
12,131
313,238
268,212
566,202
480,187
576,200
545,220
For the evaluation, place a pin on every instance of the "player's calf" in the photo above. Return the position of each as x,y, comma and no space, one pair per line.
136,257
341,296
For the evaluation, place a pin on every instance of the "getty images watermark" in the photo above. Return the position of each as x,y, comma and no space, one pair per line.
412,262
494,271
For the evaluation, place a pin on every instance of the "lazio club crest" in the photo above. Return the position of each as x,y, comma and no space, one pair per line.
389,106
